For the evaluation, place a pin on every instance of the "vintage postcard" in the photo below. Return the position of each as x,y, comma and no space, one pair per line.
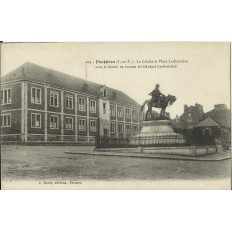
116,115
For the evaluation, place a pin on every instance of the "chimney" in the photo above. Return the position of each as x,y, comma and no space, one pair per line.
23,71
85,86
202,109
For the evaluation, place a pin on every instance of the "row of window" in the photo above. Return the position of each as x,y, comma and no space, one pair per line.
69,123
120,112
54,96
54,122
54,99
128,128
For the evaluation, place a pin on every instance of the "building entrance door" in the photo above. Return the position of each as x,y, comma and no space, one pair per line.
105,132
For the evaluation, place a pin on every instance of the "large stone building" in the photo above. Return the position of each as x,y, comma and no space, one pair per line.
192,114
43,105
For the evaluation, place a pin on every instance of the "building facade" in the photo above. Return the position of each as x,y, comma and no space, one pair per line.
43,105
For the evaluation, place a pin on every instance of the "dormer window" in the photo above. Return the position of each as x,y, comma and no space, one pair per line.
104,93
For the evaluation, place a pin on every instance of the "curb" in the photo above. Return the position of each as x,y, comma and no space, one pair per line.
146,157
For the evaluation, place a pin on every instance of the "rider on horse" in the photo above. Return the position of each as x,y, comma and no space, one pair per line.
156,95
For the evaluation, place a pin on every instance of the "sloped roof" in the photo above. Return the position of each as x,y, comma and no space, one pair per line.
33,72
222,117
208,122
189,127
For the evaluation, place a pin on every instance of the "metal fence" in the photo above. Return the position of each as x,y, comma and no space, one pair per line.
154,141
200,140
106,142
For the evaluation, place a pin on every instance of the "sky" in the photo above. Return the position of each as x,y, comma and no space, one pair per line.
204,78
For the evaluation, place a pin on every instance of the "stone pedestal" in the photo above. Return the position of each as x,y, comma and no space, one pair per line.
157,133
156,127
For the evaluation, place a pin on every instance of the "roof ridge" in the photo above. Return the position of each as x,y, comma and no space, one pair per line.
72,76
41,74
209,119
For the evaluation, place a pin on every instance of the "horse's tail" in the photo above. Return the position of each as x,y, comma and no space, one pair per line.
142,106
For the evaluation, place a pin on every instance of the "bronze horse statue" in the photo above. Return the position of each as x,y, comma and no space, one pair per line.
164,102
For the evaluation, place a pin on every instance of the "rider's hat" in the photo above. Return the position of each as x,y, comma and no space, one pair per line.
157,85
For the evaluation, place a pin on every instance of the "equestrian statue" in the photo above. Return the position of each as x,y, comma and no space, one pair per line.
158,100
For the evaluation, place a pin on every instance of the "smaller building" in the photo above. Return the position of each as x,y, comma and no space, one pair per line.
222,116
194,122
207,129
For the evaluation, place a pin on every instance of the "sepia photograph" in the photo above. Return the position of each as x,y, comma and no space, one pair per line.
125,115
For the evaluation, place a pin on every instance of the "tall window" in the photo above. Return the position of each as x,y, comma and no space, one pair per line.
69,101
127,113
6,96
127,129
81,105
53,122
82,125
104,108
35,120
120,128
35,95
93,127
112,127
6,120
92,106
134,116
112,110
54,99
120,112
134,129
69,123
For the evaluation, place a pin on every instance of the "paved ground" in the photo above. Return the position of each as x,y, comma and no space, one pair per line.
52,163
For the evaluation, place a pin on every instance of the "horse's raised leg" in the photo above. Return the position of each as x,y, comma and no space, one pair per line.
161,113
149,110
146,114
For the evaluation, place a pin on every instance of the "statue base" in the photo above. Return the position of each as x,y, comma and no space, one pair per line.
157,132
156,127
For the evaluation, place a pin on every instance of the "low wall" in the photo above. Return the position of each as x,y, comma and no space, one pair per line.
185,151
188,151
40,143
